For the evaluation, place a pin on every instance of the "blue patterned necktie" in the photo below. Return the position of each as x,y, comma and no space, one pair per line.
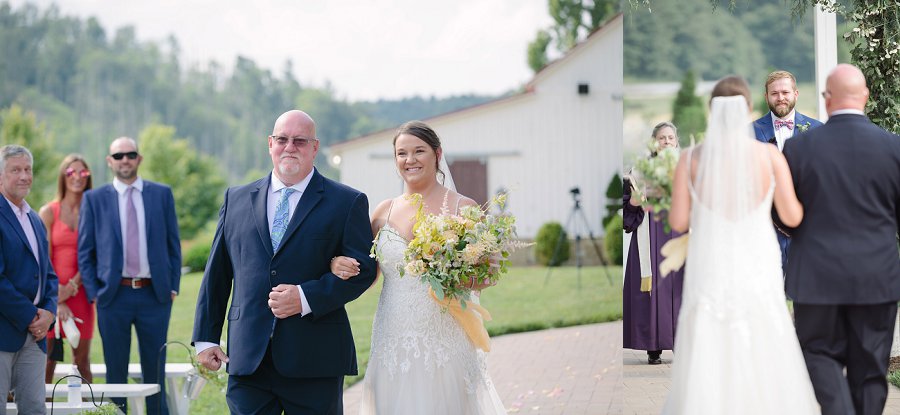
282,216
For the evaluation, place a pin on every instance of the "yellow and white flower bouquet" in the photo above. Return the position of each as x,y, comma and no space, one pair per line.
451,253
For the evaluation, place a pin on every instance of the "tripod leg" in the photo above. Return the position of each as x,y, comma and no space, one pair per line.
596,246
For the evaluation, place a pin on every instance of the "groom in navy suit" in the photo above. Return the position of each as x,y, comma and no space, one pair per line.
289,338
27,286
129,256
780,124
844,271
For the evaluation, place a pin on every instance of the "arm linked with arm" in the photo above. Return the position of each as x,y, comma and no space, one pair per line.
329,293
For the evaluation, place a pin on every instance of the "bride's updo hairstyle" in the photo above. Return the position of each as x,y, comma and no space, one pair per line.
731,86
423,132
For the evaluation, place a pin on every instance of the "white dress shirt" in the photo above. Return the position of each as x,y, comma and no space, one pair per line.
783,133
138,199
274,194
25,222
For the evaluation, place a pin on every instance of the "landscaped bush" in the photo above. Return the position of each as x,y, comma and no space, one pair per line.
195,257
545,245
612,241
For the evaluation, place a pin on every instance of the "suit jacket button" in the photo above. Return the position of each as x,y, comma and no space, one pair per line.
274,272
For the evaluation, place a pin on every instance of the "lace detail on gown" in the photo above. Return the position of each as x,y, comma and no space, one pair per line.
421,361
736,350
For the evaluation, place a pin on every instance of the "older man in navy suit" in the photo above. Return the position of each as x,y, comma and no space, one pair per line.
779,125
289,339
844,271
27,286
129,255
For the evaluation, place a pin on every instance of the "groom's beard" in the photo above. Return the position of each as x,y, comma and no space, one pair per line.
782,109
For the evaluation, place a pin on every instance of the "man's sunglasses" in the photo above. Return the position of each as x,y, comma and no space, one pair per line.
131,155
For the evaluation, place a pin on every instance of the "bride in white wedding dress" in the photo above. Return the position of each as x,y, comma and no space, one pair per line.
736,351
421,360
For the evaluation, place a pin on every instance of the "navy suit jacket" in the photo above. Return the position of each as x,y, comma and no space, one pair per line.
765,130
21,277
100,252
331,219
847,175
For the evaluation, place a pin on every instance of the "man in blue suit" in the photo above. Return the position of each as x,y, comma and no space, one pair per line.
780,124
289,338
27,286
129,255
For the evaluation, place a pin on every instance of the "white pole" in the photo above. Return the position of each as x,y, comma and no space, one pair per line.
826,53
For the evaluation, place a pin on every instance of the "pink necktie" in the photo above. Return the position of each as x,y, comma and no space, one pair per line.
132,250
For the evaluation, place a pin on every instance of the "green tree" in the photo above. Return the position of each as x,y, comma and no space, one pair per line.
195,179
20,127
537,50
688,111
573,20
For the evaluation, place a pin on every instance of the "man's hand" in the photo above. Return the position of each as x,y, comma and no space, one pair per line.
212,358
40,324
284,300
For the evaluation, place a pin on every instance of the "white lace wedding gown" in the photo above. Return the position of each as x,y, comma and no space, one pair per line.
736,350
421,361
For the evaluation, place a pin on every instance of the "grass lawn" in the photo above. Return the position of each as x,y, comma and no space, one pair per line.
521,302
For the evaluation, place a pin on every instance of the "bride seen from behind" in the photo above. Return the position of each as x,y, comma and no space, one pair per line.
736,349
421,360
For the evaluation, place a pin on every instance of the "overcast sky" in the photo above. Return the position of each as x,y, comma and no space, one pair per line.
367,49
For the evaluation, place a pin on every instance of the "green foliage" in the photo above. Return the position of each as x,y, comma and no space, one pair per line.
88,86
876,51
104,409
614,195
551,245
688,111
537,50
20,127
612,240
196,179
687,34
196,256
573,20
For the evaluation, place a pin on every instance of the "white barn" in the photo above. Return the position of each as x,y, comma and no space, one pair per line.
563,131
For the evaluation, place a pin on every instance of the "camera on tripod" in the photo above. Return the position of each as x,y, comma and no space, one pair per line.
576,196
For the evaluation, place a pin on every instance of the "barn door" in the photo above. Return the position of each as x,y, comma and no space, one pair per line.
470,177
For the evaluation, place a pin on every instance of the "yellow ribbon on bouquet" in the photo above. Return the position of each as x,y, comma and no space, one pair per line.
675,253
471,319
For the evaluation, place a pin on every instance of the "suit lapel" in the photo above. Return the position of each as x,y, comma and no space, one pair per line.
112,199
308,201
258,199
7,213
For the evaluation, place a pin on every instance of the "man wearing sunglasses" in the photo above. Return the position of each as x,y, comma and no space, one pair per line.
129,255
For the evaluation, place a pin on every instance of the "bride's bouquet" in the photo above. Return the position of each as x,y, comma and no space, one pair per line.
454,252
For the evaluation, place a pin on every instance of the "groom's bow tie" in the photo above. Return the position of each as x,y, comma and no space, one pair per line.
784,123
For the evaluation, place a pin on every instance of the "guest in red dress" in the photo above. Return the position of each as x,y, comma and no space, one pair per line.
61,219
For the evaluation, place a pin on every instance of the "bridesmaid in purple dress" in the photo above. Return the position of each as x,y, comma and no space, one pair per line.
649,317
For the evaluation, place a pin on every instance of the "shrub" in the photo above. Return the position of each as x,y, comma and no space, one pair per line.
195,257
545,245
612,241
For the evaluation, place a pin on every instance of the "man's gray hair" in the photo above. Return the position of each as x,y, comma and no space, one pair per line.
12,150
